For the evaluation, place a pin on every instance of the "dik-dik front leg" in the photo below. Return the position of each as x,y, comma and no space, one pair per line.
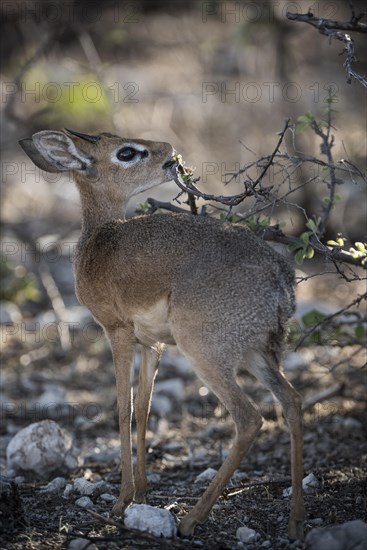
148,370
122,342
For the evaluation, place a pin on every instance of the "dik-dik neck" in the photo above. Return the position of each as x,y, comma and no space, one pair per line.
99,207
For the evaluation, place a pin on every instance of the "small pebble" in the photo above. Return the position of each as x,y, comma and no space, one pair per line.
19,479
309,484
55,485
107,497
68,490
84,502
83,486
266,544
245,534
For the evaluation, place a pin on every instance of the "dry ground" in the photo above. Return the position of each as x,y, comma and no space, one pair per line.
192,436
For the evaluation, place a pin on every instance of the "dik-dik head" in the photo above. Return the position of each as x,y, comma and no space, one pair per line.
109,164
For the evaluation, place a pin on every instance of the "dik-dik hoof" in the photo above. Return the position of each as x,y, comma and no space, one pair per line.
120,507
140,498
295,529
187,526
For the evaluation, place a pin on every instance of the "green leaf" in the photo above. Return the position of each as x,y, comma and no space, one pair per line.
312,317
332,243
310,252
307,118
292,247
305,237
311,225
361,247
300,127
300,256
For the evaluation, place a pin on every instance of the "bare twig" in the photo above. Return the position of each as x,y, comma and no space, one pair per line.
353,25
155,205
336,30
250,186
57,302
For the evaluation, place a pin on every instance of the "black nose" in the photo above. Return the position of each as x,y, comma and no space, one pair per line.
169,163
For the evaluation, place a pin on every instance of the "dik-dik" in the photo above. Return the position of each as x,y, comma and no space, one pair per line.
214,289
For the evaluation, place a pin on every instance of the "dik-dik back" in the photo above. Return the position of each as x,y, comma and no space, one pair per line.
214,289
217,270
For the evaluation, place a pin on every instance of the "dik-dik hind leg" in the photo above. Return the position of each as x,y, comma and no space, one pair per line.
247,421
148,370
266,369
122,345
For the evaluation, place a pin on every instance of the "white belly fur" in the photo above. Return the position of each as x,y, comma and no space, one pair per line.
151,325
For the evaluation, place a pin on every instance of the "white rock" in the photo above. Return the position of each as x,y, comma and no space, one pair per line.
55,485
84,502
173,387
309,483
83,486
43,449
157,521
206,475
287,492
245,534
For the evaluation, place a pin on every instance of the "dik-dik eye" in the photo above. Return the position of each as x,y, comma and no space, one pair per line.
127,153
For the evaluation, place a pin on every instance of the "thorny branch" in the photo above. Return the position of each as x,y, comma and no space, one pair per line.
337,30
268,197
250,186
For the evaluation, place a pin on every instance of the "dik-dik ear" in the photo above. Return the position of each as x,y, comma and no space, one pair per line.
55,152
